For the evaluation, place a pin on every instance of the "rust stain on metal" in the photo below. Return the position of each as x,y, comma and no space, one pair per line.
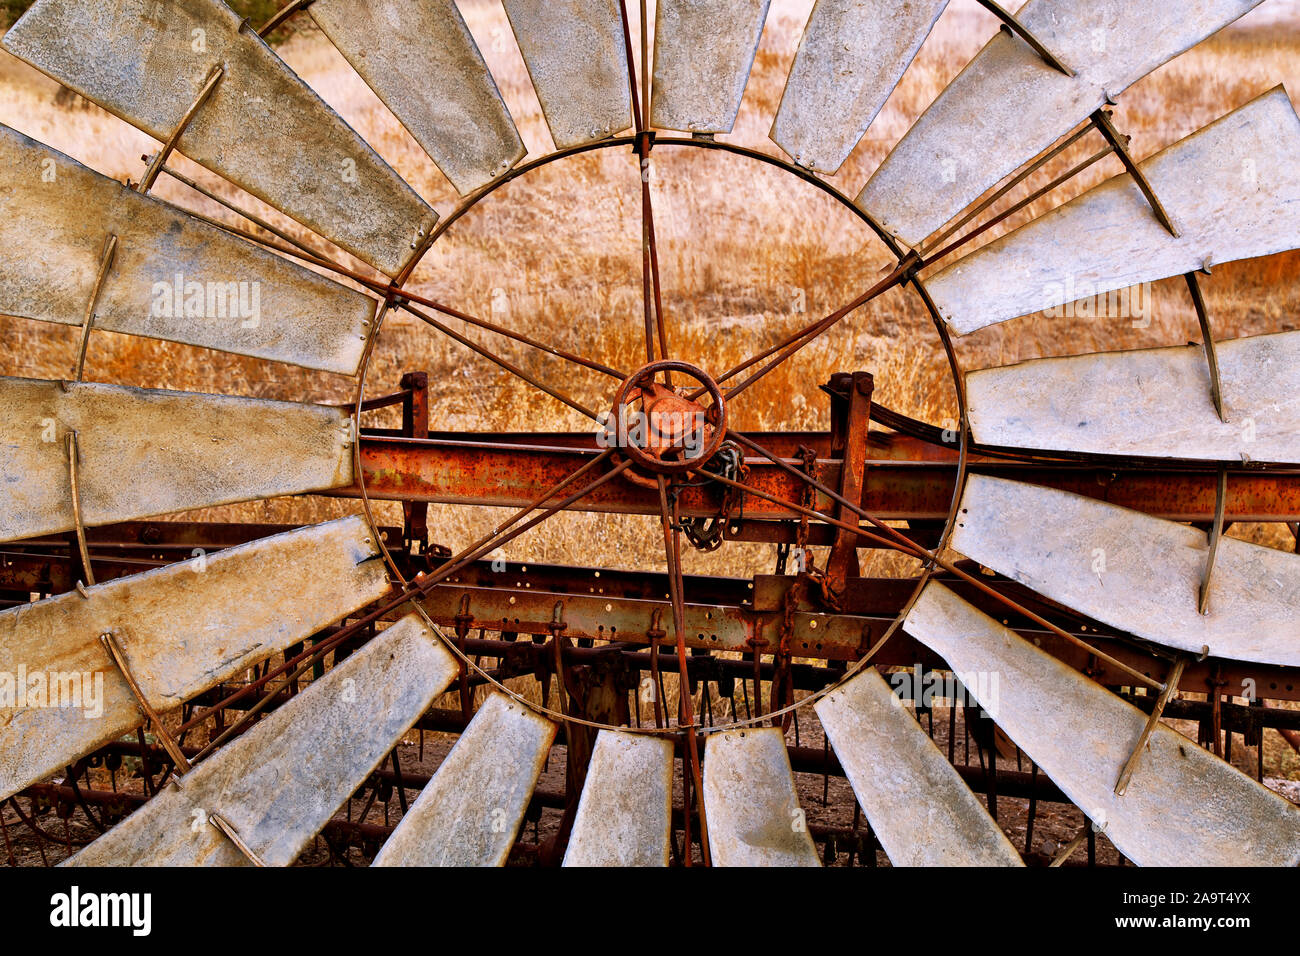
184,628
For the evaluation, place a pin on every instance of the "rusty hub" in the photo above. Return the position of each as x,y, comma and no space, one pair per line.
662,429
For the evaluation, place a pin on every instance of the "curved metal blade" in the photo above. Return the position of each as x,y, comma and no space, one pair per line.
1149,402
421,60
1008,105
146,452
918,806
280,782
146,61
1134,572
575,55
751,803
1183,807
852,55
1232,190
469,814
184,628
624,814
173,277
704,50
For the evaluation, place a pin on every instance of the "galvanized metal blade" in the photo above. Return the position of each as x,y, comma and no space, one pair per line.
751,803
851,57
1134,572
184,628
1008,105
145,452
438,86
470,812
1150,402
280,782
1231,190
704,50
1183,806
624,813
147,62
918,806
173,277
575,55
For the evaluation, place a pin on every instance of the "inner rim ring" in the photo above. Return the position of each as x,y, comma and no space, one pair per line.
954,366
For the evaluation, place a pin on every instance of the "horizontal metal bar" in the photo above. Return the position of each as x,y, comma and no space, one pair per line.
906,479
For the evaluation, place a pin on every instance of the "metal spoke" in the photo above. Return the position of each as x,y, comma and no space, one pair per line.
686,716
900,274
504,363
899,541
517,336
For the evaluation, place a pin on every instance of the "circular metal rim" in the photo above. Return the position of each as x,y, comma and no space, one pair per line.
468,204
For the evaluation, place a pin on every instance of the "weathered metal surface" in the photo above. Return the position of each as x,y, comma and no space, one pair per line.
751,803
852,55
173,277
147,452
1008,105
711,626
703,53
918,806
184,629
623,815
1232,190
574,52
1149,402
919,488
1184,806
421,60
280,782
263,128
469,814
1134,572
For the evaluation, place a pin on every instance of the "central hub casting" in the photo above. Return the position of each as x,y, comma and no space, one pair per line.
667,428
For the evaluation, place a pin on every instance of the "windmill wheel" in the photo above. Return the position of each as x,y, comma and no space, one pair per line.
1068,530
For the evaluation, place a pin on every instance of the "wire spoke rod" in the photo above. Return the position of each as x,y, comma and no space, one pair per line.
504,363
900,274
901,542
